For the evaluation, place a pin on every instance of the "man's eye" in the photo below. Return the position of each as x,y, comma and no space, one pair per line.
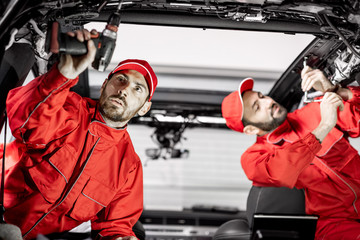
138,89
121,78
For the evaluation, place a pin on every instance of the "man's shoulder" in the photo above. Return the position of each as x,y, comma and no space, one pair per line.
82,106
259,145
127,143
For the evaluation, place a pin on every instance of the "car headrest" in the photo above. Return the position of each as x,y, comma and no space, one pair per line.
275,200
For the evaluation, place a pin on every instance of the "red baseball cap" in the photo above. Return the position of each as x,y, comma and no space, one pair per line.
142,67
232,106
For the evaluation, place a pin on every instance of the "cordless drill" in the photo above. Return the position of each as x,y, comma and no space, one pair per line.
57,42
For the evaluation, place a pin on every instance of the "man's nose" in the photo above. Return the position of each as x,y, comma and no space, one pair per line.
122,88
122,92
267,101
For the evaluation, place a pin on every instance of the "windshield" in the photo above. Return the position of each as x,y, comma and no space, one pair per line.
192,58
203,59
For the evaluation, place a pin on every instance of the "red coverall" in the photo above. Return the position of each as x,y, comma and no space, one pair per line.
75,168
329,172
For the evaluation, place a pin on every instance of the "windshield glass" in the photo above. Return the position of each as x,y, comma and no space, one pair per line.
203,59
192,58
204,53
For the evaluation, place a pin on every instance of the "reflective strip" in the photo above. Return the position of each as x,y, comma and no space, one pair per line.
22,126
123,128
92,199
58,171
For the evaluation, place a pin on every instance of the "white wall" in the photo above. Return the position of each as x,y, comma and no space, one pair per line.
210,175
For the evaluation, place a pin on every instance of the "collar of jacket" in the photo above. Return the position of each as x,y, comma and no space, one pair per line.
99,128
283,132
293,129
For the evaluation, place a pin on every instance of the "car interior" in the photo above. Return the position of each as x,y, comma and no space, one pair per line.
194,187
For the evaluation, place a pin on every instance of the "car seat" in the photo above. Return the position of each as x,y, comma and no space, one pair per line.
266,200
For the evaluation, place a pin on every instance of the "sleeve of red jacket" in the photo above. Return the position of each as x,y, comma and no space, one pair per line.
118,218
14,151
349,118
36,111
279,166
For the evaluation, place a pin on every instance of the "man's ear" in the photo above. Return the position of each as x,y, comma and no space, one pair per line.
251,130
145,108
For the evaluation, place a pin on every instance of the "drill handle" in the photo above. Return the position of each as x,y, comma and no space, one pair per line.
70,45
57,42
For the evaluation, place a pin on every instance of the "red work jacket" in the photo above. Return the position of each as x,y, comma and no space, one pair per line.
329,172
75,168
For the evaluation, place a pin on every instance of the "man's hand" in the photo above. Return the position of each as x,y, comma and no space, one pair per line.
71,66
314,78
329,105
328,108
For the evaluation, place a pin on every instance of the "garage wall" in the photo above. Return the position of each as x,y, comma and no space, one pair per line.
211,174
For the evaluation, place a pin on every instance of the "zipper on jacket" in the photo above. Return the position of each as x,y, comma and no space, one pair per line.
67,193
347,184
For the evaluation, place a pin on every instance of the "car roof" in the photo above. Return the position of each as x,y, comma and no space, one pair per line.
315,18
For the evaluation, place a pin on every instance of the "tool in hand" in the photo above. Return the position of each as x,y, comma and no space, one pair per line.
104,42
306,98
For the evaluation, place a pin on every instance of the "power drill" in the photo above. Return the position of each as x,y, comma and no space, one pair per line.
57,42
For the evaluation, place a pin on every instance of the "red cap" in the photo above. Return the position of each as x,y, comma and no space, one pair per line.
232,106
142,67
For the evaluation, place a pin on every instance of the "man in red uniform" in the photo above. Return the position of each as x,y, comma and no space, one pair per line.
307,149
78,162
